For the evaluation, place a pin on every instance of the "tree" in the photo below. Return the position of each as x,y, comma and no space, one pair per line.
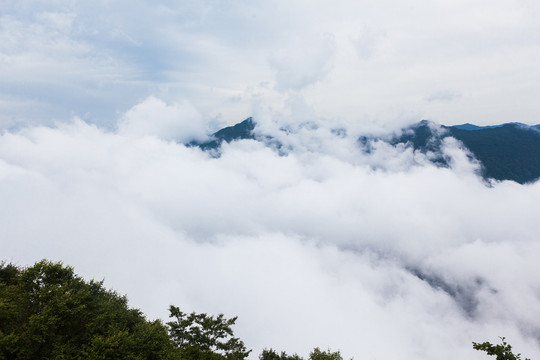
48,312
272,355
316,354
200,336
502,351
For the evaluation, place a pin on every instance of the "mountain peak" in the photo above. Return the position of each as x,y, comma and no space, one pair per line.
506,152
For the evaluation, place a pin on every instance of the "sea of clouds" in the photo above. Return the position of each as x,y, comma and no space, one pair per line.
380,254
318,242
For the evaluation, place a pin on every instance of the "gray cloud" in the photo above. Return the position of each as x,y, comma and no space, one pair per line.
367,42
94,61
444,95
304,62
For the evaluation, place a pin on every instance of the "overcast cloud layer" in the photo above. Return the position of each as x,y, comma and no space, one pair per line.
379,254
384,61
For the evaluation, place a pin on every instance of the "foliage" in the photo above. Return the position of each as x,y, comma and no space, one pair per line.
508,152
242,130
200,336
316,354
502,351
272,355
48,312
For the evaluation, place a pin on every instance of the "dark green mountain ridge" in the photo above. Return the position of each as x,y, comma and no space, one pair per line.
506,152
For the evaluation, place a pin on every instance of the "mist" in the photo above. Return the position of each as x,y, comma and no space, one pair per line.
381,254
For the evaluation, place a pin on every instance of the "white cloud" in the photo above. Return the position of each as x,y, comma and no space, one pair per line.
316,248
153,117
304,62
98,59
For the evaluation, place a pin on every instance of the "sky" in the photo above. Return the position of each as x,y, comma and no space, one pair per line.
382,255
386,62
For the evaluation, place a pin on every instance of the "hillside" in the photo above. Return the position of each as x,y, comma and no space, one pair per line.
506,152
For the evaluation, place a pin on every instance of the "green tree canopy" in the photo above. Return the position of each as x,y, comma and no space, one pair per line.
270,354
502,351
316,354
200,336
48,312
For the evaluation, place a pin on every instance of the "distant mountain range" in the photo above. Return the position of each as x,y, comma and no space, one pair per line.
506,152
243,130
